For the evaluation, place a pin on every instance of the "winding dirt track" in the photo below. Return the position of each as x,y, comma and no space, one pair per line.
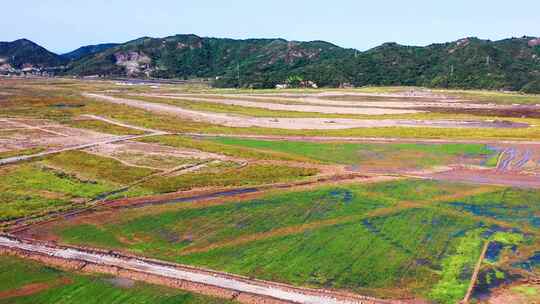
293,123
276,102
313,106
16,159
281,292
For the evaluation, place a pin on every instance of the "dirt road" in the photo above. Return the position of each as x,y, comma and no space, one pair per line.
16,159
296,123
315,106
263,289
336,100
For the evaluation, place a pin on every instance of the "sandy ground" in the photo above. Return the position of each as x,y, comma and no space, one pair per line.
45,134
151,148
294,123
326,105
148,155
118,123
317,108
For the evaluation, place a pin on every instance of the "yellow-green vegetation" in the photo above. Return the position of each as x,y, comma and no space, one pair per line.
305,237
528,290
231,150
50,285
495,96
420,155
23,152
163,162
249,175
207,106
34,99
32,189
510,205
103,127
94,167
451,287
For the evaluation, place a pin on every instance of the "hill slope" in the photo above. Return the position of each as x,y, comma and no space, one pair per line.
467,63
23,52
88,50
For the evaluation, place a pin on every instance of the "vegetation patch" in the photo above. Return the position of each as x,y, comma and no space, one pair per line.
510,205
228,177
23,152
94,167
457,269
31,189
103,127
351,153
231,150
82,289
300,237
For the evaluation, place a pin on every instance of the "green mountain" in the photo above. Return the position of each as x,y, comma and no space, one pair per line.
261,62
512,64
88,50
25,53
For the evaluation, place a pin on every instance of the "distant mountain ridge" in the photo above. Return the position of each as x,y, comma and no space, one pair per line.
88,50
512,64
23,52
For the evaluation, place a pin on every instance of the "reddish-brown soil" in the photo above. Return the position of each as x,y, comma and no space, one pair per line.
31,289
489,177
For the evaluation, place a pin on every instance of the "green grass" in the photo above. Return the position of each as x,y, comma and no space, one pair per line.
451,288
530,291
33,189
14,153
220,148
357,237
352,153
31,99
249,175
15,273
103,127
350,256
342,247
495,96
508,205
99,168
84,289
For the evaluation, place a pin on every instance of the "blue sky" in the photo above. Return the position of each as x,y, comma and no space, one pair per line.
63,25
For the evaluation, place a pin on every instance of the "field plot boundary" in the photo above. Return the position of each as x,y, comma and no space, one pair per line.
361,139
242,289
310,123
196,195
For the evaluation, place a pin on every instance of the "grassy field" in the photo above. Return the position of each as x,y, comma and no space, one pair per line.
419,155
399,239
70,179
250,175
31,189
36,99
50,285
407,237
98,168
224,149
103,127
23,152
